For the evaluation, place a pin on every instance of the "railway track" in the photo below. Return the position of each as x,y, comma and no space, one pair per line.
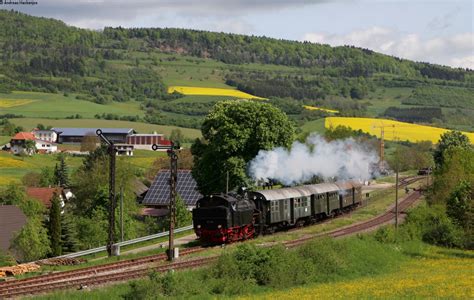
38,283
141,267
362,226
81,282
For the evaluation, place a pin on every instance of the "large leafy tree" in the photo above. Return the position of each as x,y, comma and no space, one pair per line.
233,133
449,140
459,206
458,166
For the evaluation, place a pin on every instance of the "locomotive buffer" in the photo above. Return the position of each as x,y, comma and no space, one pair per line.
173,155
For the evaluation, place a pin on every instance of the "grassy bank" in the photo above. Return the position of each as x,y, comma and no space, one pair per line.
436,273
357,267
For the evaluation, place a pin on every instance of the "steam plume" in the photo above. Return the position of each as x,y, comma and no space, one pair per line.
344,159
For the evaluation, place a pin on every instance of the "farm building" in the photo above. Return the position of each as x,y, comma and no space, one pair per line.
19,144
140,189
145,141
159,191
12,219
75,135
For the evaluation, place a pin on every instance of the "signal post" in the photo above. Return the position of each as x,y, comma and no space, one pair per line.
172,151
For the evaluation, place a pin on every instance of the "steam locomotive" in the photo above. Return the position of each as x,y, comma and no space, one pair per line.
225,218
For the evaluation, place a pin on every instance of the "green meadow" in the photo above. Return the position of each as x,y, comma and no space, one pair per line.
49,105
13,168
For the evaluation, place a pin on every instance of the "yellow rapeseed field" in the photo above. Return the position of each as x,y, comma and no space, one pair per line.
7,180
308,107
7,162
5,103
432,278
191,90
394,130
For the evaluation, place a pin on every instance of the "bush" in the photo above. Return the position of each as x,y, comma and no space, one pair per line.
429,224
442,232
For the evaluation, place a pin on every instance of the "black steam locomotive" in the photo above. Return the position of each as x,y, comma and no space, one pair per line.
225,218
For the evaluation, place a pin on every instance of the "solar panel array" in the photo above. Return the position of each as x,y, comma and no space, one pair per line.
159,192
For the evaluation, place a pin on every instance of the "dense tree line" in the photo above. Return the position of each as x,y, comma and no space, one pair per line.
266,84
442,97
414,114
190,109
239,49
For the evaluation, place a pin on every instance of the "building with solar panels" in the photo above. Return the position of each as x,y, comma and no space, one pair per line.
158,195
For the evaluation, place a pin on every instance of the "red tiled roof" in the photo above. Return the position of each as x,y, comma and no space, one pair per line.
24,136
43,194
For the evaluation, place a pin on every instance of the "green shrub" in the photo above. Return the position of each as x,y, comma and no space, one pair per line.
429,224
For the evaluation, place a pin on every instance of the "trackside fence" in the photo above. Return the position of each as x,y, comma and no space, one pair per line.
125,243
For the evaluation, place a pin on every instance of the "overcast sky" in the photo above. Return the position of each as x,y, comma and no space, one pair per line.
422,30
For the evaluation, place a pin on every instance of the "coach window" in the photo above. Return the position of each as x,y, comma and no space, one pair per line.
305,201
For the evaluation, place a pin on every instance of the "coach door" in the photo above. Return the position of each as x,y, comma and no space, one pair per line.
353,196
292,210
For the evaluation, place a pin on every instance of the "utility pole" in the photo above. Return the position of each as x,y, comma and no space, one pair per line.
396,198
227,183
382,149
112,200
173,155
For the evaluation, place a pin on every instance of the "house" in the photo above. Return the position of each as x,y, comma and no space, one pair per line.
45,135
12,219
19,144
75,135
45,195
145,141
46,146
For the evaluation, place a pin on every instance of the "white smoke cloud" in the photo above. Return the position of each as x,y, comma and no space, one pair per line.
344,159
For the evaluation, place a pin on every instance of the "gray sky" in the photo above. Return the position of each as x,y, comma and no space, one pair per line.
422,30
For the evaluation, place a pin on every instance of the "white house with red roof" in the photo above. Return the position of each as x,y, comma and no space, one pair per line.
19,144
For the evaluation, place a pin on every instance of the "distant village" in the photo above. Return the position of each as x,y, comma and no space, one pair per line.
46,141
